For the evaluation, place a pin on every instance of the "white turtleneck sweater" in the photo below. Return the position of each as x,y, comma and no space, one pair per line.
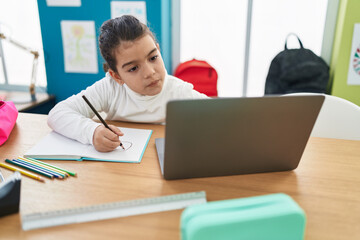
73,117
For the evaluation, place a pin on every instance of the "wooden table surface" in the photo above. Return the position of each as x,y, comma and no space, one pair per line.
326,185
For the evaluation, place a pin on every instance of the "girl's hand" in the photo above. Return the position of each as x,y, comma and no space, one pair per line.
105,140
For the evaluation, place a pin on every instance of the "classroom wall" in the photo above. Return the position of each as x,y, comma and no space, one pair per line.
64,84
348,15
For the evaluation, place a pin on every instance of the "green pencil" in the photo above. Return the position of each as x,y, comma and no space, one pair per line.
42,168
49,165
62,173
30,168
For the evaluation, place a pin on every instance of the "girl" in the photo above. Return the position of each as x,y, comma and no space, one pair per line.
135,88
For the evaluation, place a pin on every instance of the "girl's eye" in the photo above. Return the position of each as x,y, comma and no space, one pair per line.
154,58
133,69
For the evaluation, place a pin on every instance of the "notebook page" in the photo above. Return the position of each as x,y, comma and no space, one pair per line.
134,141
55,145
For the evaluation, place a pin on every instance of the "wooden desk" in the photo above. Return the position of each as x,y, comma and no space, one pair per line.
326,185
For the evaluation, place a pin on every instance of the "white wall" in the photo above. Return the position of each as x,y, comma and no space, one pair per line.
215,31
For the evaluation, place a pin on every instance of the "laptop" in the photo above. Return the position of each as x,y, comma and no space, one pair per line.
231,136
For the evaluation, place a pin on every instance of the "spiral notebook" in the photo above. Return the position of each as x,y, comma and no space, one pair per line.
57,147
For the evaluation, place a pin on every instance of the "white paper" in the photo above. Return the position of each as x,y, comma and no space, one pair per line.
56,146
63,3
134,8
79,44
354,65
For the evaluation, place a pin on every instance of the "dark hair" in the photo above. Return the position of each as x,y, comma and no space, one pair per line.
114,31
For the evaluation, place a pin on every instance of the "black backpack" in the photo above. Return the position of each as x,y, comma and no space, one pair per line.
297,70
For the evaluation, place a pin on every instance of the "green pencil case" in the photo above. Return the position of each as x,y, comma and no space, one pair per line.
274,216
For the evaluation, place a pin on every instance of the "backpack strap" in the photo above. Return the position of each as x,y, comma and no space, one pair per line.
301,45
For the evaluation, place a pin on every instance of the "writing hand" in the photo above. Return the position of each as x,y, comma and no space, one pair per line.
105,140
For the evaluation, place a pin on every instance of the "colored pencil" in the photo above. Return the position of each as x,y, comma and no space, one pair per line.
30,168
47,164
55,174
62,173
23,172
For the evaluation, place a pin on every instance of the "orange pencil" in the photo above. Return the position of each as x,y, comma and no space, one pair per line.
23,172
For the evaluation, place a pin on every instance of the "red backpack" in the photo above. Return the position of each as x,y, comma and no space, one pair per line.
199,73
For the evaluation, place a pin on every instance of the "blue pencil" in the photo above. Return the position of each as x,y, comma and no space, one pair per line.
30,168
57,175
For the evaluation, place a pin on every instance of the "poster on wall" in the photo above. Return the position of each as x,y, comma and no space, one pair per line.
135,8
354,65
79,44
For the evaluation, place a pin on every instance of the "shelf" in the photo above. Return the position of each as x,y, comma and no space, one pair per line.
23,103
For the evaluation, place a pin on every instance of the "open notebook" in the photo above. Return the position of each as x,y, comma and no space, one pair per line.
57,147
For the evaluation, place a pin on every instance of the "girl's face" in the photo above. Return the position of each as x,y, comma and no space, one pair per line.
140,66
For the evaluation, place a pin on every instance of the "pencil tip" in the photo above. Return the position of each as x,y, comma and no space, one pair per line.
121,145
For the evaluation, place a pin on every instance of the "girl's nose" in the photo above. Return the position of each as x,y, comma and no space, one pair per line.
148,71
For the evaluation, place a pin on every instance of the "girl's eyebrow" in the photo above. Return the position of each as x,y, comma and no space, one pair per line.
151,52
131,62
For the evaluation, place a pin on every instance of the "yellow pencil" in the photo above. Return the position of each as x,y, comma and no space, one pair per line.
23,172
47,164
64,174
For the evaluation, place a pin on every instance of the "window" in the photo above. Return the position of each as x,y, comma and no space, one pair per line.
19,20
216,31
271,22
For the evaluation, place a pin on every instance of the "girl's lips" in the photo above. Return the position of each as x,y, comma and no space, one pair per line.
153,83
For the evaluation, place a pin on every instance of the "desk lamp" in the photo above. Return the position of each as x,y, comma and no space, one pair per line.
34,67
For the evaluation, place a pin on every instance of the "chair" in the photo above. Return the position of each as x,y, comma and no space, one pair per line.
338,118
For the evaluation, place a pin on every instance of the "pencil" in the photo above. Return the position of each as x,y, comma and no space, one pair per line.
49,165
98,115
62,173
23,172
30,168
55,174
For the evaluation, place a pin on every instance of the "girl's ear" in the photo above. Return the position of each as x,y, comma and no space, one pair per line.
116,77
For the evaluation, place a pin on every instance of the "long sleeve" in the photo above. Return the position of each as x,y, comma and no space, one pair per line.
73,117
179,89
